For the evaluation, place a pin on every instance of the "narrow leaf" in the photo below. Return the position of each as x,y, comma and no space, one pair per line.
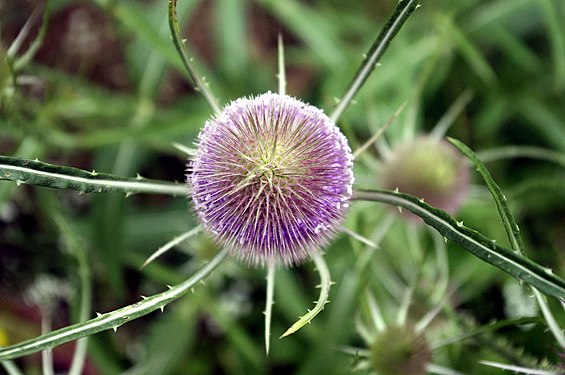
200,84
403,10
111,320
35,172
325,283
510,262
533,152
169,245
269,305
76,247
34,47
512,229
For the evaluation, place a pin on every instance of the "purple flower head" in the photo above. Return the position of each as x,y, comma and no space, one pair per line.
271,179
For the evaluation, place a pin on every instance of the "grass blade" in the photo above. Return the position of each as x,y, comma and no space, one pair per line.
309,25
75,246
508,152
34,47
556,33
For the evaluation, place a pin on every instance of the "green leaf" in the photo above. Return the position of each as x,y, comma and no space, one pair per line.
512,230
35,172
508,152
111,320
482,247
403,10
325,284
22,61
200,83
510,225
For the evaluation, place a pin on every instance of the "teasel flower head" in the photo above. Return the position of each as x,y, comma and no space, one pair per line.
400,350
431,169
271,179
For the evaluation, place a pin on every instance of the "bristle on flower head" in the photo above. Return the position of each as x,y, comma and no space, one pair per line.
271,179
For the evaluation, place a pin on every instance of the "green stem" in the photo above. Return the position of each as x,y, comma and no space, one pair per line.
200,84
403,10
46,355
78,250
282,72
510,262
111,320
34,172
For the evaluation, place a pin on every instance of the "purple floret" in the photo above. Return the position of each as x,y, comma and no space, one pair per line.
271,179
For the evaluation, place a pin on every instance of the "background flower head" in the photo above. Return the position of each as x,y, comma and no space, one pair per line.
271,179
431,169
400,350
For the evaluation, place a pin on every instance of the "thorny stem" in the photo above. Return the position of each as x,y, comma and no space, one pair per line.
200,84
35,172
510,262
512,231
403,10
114,319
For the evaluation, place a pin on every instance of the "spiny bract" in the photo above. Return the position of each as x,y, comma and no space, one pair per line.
271,179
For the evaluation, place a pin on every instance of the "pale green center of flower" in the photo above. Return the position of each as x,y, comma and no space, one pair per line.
269,170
